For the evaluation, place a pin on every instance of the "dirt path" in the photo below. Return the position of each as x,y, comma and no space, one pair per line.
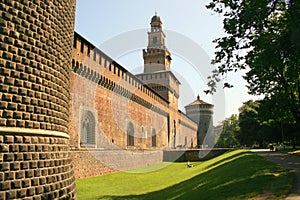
290,162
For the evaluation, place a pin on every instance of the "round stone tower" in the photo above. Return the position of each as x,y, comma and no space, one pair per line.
201,113
36,43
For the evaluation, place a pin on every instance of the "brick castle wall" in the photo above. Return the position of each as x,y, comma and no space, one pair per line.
36,43
116,98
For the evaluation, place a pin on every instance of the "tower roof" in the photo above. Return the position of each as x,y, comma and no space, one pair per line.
198,101
156,18
156,21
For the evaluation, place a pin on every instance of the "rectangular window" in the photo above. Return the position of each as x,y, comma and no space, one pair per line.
95,55
75,43
82,47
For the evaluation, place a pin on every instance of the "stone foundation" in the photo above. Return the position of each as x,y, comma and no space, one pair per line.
93,162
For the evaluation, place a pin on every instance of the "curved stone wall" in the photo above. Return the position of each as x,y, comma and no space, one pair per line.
36,43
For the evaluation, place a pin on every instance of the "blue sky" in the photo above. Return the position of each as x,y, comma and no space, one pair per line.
188,25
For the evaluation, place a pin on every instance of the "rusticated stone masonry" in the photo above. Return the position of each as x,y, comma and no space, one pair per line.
36,38
35,167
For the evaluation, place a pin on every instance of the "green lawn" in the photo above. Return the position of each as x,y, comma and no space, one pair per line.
238,174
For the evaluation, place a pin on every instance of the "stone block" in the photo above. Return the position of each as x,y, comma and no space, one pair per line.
42,180
3,105
11,194
11,122
16,184
23,148
13,148
26,100
7,114
20,174
30,148
21,193
4,148
4,166
2,121
33,165
14,90
28,124
29,173
14,166
7,157
27,139
39,190
9,176
7,97
25,165
25,183
21,107
35,182
8,139
37,173
20,123
30,191
17,115
12,106
18,157
4,185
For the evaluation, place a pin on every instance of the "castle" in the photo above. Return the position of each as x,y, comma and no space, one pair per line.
65,103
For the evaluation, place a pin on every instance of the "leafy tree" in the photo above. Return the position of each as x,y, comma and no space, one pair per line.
229,132
264,37
277,118
249,123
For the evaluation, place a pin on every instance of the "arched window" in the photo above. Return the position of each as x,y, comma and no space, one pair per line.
87,128
153,138
130,134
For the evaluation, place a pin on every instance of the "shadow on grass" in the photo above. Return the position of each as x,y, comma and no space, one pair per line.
239,176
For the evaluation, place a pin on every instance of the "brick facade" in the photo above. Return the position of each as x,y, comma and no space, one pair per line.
36,43
124,115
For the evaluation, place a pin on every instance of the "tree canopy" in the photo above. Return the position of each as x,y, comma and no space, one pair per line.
262,36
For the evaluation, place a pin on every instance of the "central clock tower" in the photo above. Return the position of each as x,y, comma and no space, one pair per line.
156,57
158,76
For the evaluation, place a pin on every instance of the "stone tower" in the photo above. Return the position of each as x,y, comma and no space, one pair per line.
201,113
158,76
36,43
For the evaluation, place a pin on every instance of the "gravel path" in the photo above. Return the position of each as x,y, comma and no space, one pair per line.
290,162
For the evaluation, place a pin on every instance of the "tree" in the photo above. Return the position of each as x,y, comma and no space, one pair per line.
264,37
278,119
229,132
249,124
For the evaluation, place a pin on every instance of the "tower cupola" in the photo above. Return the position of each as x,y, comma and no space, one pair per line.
156,24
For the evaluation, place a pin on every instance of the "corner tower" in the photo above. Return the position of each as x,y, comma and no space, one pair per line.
200,112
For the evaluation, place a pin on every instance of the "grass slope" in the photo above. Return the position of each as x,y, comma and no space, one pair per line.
234,175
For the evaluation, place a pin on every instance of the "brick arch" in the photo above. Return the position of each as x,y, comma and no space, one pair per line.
130,134
153,137
88,128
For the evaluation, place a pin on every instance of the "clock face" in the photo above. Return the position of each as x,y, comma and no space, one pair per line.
154,40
